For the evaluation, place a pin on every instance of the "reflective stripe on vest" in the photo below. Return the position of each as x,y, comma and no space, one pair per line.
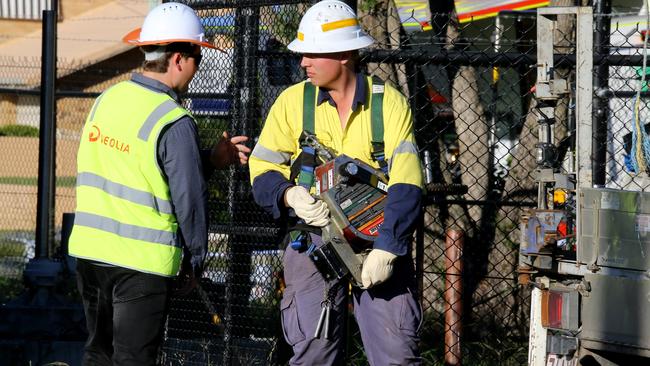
124,214
124,192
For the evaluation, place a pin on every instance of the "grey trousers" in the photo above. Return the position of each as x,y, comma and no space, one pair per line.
388,316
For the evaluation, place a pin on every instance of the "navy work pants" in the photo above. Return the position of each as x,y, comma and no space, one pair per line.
388,315
125,314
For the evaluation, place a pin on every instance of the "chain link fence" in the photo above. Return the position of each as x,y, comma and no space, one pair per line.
469,86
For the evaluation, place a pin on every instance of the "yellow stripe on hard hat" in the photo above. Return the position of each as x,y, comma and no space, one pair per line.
301,36
339,24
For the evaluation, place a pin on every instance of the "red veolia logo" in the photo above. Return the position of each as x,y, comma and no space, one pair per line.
95,135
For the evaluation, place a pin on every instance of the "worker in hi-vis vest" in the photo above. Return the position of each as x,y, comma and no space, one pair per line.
345,110
141,192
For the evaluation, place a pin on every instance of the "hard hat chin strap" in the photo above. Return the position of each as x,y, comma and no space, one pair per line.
152,54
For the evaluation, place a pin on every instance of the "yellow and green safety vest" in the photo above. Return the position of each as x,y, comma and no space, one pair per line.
124,215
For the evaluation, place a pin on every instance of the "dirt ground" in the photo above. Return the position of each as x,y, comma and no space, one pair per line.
18,207
19,158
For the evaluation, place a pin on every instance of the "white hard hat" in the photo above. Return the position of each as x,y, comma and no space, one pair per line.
329,26
169,23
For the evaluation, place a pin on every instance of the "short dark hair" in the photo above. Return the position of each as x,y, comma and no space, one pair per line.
161,64
355,58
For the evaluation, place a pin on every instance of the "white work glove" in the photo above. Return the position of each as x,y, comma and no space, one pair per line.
377,268
313,211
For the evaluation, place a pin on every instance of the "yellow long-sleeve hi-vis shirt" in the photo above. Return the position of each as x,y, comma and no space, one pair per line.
278,144
278,147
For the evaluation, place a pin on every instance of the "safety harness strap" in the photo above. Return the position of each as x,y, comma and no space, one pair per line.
377,123
308,107
308,158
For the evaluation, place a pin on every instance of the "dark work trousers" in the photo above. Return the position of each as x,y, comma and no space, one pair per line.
124,314
388,315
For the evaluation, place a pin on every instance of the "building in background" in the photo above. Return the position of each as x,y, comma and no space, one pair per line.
89,32
90,57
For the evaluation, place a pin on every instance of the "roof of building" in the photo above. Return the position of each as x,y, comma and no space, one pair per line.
82,40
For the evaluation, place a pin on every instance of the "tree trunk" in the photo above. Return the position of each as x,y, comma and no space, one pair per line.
382,23
474,155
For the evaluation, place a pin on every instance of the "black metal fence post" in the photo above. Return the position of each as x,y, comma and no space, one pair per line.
47,138
41,272
602,9
245,114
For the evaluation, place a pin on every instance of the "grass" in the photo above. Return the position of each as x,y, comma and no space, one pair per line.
32,181
10,287
18,130
9,248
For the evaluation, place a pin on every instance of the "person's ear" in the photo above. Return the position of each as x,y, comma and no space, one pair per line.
176,61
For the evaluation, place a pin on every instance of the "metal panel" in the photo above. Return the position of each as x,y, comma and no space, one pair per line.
584,82
616,313
23,9
537,336
614,228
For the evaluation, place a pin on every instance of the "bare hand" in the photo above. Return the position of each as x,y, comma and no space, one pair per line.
229,150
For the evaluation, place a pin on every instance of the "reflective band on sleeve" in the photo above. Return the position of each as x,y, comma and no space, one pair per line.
271,156
130,194
339,24
405,147
157,114
125,230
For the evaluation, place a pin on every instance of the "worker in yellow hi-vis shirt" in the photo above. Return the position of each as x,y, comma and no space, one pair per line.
141,193
358,116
